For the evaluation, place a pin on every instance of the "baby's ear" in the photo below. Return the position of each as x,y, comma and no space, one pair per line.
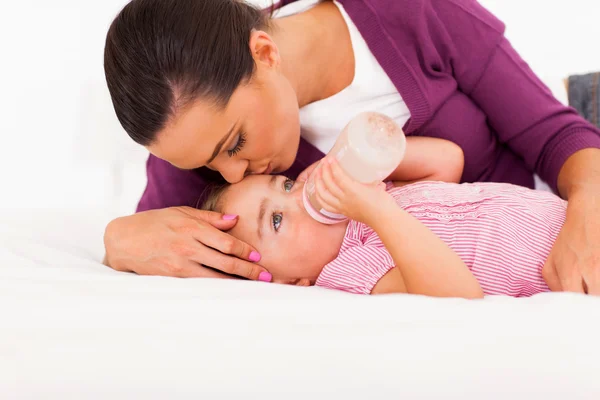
296,282
303,282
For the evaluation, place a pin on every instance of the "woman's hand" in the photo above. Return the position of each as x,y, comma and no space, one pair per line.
180,242
340,194
574,262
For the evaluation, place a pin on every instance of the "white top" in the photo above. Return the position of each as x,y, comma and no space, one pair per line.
370,90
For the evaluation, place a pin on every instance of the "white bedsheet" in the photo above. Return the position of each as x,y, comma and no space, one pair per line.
73,329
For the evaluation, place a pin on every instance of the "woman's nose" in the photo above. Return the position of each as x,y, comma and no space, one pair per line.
231,171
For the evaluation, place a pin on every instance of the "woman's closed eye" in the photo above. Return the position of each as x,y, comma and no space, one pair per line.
239,143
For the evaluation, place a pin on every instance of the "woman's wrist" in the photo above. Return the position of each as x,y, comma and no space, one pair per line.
583,191
580,175
583,200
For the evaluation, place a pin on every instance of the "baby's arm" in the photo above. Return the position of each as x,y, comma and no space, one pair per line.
429,159
391,282
424,263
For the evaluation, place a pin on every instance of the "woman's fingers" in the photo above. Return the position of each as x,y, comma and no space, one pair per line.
219,250
218,220
572,285
225,243
572,282
551,276
562,279
228,254
590,272
228,264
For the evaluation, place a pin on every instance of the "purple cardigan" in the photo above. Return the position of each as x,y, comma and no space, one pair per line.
461,80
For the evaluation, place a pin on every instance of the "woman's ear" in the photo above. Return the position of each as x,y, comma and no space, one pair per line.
263,49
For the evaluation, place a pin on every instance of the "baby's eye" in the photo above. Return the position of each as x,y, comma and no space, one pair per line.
288,185
276,219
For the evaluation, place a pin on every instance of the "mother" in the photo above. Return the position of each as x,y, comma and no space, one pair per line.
217,85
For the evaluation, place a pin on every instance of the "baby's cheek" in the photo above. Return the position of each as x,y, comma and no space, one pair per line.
272,254
283,259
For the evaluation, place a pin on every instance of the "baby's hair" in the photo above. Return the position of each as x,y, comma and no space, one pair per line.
214,197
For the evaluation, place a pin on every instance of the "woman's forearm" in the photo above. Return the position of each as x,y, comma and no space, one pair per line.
428,266
580,174
429,159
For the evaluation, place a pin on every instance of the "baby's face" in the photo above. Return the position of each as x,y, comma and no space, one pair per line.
294,247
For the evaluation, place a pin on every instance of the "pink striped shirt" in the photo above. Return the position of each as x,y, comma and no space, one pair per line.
503,233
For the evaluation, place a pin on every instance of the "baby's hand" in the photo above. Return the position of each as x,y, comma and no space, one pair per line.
340,194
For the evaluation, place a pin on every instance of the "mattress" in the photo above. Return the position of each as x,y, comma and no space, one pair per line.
74,329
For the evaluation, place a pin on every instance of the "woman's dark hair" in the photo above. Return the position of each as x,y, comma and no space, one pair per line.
161,55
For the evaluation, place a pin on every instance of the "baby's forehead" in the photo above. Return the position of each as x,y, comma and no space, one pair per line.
255,183
244,193
250,190
243,201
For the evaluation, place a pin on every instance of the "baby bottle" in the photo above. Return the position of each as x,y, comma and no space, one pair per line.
369,149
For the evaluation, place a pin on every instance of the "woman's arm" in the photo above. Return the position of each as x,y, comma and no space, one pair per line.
424,263
518,106
574,262
552,139
429,159
426,159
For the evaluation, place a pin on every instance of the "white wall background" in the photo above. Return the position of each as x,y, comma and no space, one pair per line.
61,146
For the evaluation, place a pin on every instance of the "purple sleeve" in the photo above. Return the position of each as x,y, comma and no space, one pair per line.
518,106
169,186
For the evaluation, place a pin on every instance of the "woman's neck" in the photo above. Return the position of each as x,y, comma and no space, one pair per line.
316,52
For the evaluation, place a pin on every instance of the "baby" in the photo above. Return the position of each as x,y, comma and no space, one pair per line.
429,237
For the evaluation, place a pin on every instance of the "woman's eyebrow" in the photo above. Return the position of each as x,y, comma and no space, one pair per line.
262,210
219,145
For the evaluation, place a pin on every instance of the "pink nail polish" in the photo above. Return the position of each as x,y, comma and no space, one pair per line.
229,217
254,256
265,277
